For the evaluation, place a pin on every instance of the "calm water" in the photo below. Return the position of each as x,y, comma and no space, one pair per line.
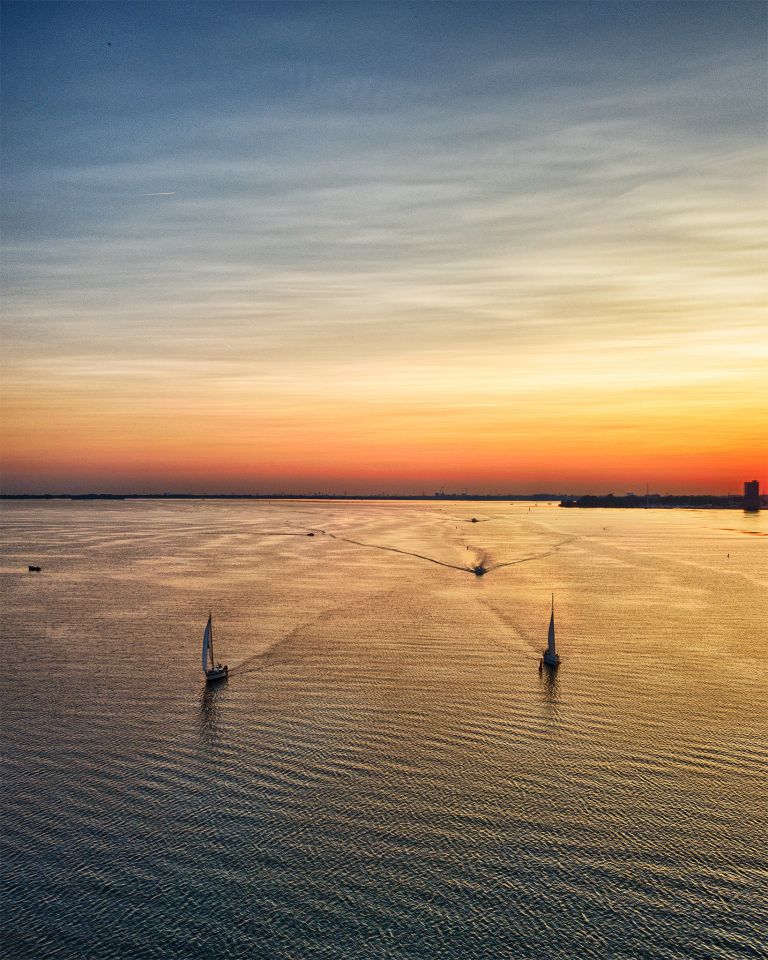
386,773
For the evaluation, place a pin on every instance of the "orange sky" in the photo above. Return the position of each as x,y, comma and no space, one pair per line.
340,434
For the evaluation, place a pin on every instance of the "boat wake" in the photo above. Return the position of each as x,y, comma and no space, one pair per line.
479,566
282,533
534,556
406,553
528,642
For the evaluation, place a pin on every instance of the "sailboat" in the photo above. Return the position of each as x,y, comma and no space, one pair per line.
211,669
550,657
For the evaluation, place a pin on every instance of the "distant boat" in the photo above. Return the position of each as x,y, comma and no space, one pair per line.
34,569
550,657
211,669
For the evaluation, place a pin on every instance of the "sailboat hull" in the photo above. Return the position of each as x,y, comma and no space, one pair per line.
550,659
217,674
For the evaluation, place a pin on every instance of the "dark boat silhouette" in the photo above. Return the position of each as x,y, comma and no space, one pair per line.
211,669
550,657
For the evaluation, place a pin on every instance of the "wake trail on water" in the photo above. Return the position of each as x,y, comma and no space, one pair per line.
270,656
600,545
276,653
534,556
480,554
279,533
406,553
528,642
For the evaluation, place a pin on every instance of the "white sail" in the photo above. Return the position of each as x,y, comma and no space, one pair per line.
551,635
207,644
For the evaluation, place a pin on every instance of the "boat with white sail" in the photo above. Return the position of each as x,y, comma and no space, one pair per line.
211,669
550,657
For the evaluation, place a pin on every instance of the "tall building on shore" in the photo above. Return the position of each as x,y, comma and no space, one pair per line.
752,495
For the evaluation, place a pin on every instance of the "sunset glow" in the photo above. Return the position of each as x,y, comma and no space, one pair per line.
513,247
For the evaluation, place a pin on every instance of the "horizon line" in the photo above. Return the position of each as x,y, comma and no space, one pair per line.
321,495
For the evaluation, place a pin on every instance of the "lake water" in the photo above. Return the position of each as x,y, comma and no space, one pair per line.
386,774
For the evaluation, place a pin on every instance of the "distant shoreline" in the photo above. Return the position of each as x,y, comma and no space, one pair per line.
551,497
630,501
658,501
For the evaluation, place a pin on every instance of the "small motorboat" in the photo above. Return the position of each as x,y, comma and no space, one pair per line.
33,569
212,670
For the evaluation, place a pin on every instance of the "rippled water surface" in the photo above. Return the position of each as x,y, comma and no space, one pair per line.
386,773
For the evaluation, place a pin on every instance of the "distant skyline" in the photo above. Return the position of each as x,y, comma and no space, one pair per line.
384,247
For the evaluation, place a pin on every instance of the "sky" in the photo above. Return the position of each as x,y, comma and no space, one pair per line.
509,247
